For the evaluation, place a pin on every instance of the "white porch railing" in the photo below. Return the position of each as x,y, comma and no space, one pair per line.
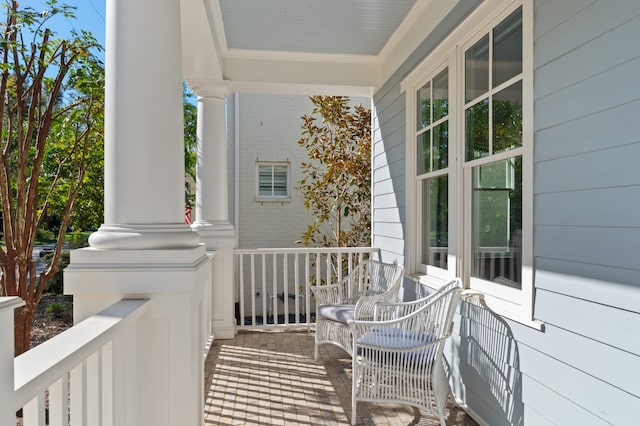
72,379
272,284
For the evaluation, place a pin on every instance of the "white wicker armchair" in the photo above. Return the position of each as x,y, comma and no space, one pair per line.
398,356
353,297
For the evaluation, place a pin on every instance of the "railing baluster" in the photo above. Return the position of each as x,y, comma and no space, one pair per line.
93,391
78,387
253,290
296,283
318,272
329,268
285,290
33,413
307,272
106,377
274,285
264,289
59,402
241,289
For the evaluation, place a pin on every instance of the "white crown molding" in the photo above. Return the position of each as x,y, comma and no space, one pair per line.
302,89
278,55
404,28
214,14
421,20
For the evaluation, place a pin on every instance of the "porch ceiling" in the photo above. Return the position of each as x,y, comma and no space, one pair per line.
318,26
303,46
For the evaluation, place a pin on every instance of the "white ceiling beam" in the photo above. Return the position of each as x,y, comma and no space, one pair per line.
201,52
355,74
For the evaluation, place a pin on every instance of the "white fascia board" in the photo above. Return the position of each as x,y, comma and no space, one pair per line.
356,74
423,18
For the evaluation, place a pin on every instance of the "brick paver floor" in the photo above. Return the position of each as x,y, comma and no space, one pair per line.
270,378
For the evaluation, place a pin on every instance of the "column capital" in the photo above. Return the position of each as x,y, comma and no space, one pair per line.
210,88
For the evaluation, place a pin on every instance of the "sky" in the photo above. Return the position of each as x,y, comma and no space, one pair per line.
90,16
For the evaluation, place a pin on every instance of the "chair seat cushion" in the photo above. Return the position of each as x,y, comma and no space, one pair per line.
340,312
408,345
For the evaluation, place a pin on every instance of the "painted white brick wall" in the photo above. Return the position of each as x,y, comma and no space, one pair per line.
269,129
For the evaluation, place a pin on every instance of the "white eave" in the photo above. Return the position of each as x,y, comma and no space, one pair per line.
207,55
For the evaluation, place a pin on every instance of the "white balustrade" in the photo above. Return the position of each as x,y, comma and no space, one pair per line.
272,284
7,305
79,377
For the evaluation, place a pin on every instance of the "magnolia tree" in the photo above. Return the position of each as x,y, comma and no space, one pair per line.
336,183
52,94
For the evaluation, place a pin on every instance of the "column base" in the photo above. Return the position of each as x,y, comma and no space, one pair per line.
143,237
213,227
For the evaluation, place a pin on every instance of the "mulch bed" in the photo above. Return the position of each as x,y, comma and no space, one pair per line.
49,324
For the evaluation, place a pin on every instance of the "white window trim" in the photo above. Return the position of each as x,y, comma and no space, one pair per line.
273,198
511,303
415,225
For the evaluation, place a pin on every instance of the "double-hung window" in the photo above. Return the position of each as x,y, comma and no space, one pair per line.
470,158
432,171
273,181
494,158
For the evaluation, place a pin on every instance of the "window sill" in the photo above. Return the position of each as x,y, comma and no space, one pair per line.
498,306
507,310
273,199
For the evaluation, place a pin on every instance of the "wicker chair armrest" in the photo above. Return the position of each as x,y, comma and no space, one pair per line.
365,306
330,294
387,310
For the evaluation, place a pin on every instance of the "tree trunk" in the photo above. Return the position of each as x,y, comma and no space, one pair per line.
23,318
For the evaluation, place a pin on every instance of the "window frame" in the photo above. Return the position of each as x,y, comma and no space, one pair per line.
272,197
418,180
516,304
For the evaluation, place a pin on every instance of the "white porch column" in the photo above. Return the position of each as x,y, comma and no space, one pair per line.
144,249
144,166
212,203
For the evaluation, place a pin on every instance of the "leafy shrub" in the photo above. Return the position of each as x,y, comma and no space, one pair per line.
55,283
77,239
45,235
54,309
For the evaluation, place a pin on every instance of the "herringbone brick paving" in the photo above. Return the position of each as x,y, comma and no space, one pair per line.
270,378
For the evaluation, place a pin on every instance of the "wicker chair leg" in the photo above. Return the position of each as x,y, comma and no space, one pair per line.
354,384
442,422
315,346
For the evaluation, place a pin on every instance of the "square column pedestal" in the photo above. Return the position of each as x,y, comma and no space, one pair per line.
221,243
167,376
